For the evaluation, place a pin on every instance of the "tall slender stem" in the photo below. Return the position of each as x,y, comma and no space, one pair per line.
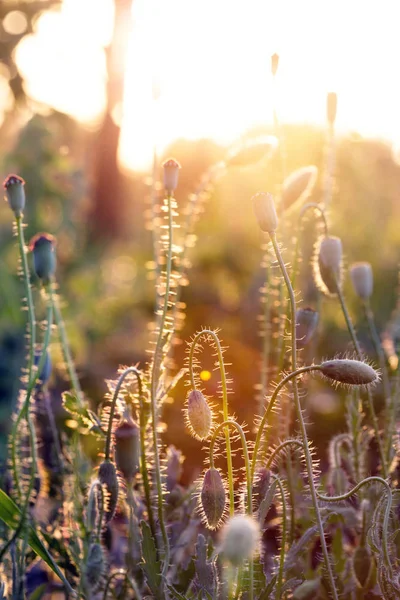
306,449
357,348
225,409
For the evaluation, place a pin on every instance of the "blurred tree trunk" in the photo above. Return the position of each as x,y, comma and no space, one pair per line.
108,198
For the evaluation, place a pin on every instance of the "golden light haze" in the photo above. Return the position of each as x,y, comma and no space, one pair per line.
210,61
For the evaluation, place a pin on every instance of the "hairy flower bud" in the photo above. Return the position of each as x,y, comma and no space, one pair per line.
331,107
252,151
328,264
127,448
199,415
15,193
213,498
264,209
362,279
42,247
108,476
171,175
349,372
92,509
308,590
297,187
306,325
240,539
94,568
274,63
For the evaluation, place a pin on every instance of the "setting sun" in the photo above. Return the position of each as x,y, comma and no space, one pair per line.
209,64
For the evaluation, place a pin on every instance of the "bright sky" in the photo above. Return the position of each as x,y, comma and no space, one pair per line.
211,59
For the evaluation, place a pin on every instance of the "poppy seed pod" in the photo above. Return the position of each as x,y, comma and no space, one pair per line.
362,279
171,175
306,325
42,247
264,209
199,415
274,63
108,477
331,107
349,372
213,498
127,448
297,187
328,264
240,539
15,193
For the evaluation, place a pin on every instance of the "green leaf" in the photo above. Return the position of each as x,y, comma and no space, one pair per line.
85,418
39,592
175,593
151,565
11,515
268,590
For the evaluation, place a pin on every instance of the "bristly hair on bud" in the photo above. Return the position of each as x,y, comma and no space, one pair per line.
171,175
15,193
274,63
213,498
349,372
240,538
362,279
127,447
306,325
108,477
199,416
42,246
327,264
331,107
297,187
264,209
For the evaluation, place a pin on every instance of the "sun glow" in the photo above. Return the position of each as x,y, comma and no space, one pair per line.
210,61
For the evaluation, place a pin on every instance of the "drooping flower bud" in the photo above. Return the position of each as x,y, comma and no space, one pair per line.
15,193
252,151
328,264
127,447
92,509
171,175
42,245
213,498
274,63
108,476
331,107
297,187
199,415
94,568
349,372
362,279
240,539
306,325
308,590
264,209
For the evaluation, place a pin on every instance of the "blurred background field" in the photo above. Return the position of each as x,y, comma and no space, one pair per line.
94,95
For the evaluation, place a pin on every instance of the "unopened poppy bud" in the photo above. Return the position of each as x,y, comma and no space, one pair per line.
331,107
363,566
308,590
171,175
127,448
306,325
199,415
264,209
297,187
274,63
349,372
252,151
94,568
328,264
362,279
92,510
108,477
42,247
213,498
240,539
15,193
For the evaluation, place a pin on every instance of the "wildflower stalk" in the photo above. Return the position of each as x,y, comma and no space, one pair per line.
283,537
155,373
266,347
226,424
357,349
225,410
306,449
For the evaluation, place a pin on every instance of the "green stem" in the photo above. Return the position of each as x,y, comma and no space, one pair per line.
283,541
300,416
225,410
266,347
385,525
357,348
155,372
306,207
282,446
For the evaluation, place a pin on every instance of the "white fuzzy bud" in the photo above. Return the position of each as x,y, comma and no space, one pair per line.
240,539
362,279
